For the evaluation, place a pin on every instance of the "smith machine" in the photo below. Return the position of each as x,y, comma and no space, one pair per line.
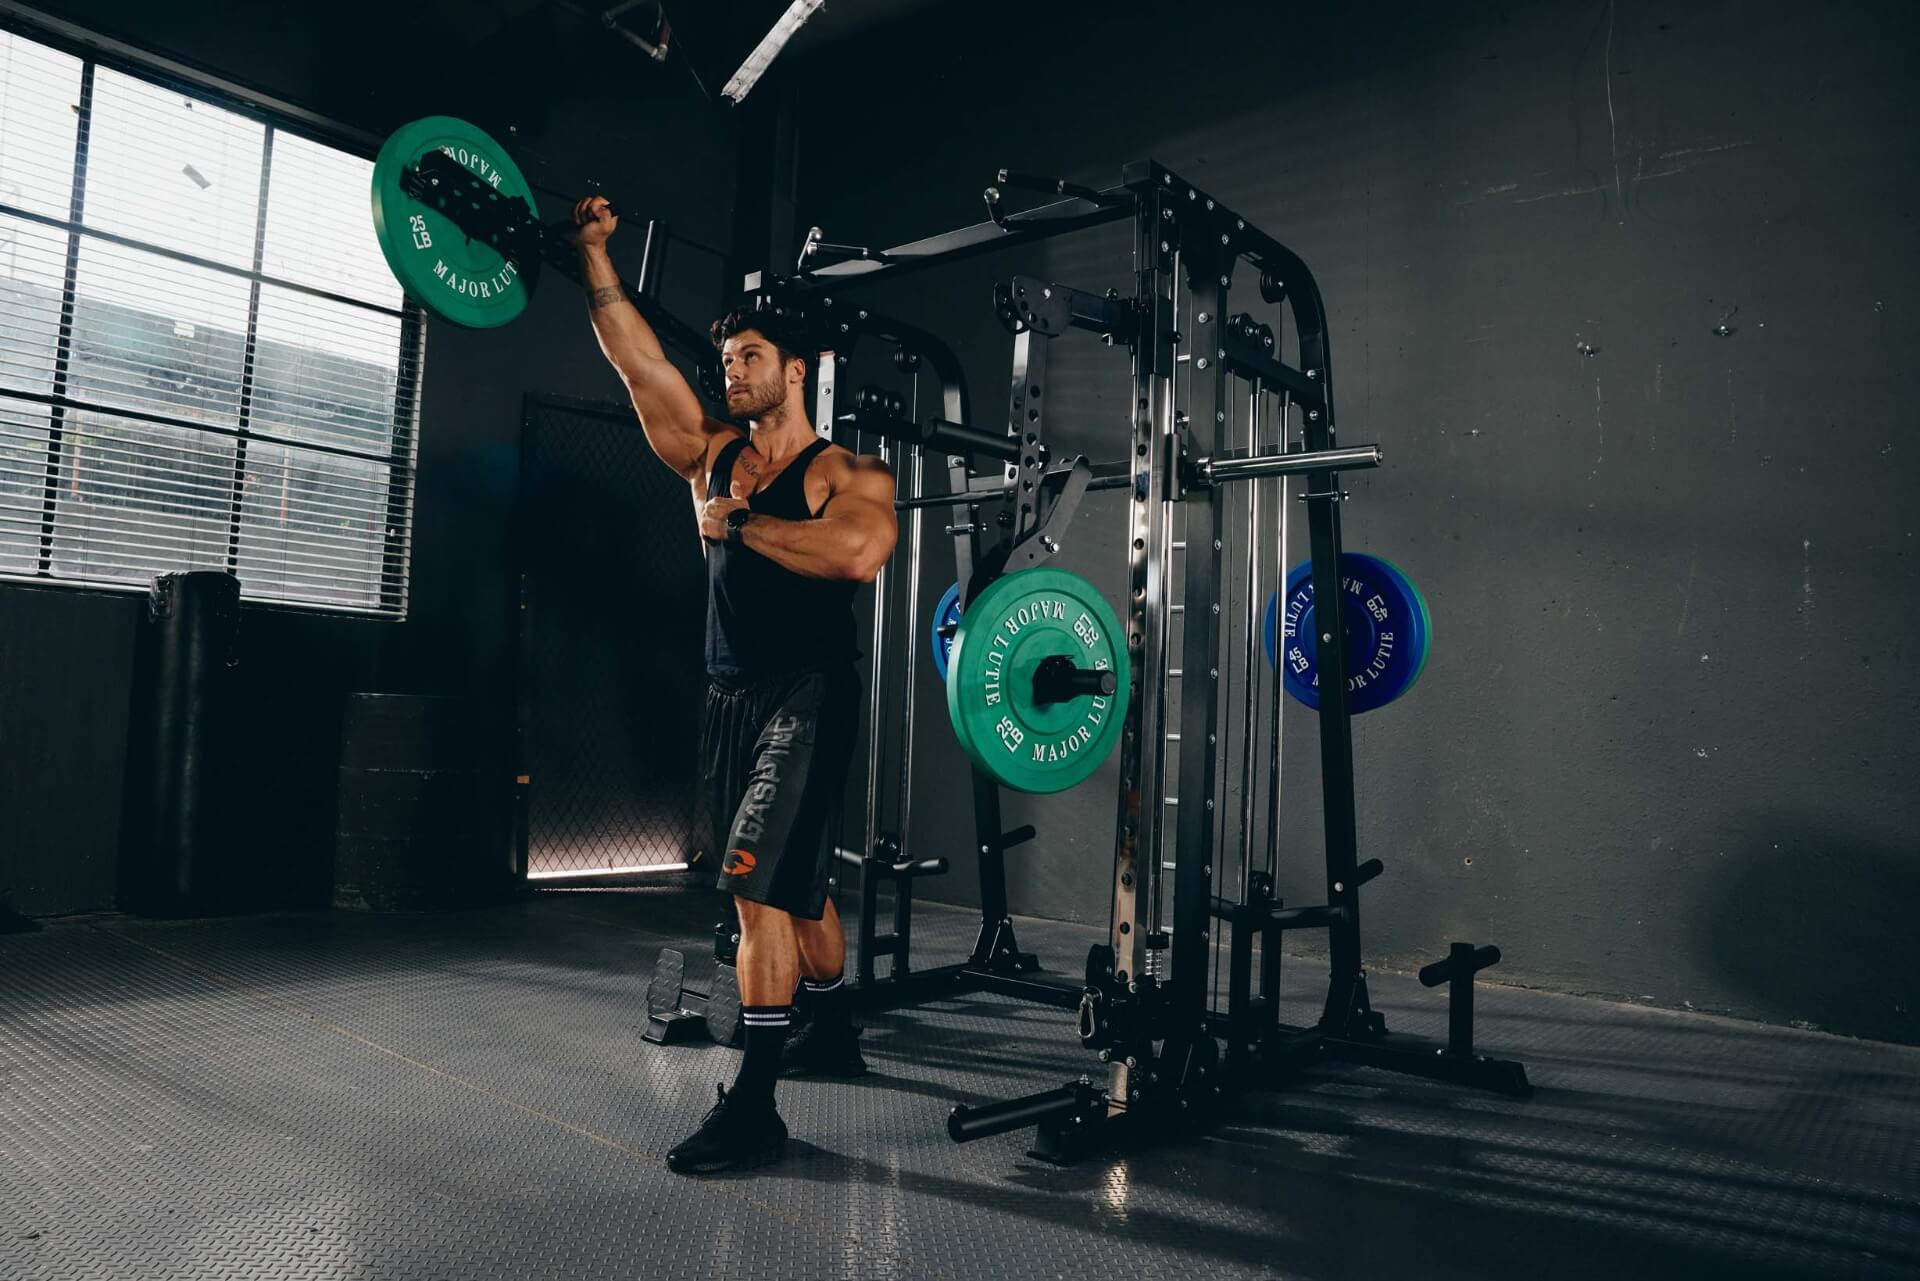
1181,914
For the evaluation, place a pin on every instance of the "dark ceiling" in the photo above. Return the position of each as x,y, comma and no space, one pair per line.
364,61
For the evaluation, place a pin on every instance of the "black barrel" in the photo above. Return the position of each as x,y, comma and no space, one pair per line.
419,825
178,846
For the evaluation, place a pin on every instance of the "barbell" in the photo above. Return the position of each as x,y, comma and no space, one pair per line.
458,225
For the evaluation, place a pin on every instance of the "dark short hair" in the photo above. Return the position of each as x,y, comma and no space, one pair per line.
788,336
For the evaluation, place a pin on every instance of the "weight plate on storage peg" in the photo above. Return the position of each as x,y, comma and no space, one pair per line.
1037,682
945,614
467,281
1389,632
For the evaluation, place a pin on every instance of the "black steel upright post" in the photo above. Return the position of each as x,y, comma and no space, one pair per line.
1348,1010
995,940
1020,513
1143,740
864,957
1209,264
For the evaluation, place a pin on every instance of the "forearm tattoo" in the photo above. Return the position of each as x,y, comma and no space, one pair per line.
605,296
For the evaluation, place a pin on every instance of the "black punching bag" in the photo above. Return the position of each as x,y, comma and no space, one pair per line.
178,846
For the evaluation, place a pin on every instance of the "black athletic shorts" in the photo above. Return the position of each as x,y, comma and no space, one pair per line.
776,753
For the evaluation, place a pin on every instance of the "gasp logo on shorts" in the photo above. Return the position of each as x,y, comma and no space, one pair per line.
739,863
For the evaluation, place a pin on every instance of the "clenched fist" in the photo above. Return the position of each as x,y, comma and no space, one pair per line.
593,221
713,518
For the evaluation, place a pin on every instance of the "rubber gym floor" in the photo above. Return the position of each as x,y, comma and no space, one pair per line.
466,1095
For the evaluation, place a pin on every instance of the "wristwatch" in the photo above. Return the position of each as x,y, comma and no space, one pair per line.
736,522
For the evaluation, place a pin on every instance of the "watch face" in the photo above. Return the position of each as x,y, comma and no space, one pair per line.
738,517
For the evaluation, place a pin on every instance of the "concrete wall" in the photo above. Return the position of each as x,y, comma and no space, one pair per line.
1621,289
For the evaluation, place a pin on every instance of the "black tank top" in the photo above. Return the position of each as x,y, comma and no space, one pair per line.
763,619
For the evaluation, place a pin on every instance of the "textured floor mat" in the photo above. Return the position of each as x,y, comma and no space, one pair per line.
467,1095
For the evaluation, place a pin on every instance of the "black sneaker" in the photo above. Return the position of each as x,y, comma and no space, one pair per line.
732,1136
818,1050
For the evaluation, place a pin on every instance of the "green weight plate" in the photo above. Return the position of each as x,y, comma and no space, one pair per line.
1015,624
466,281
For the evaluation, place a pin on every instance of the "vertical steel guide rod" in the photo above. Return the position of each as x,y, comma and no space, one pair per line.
877,695
1156,864
827,365
1283,510
912,649
1251,672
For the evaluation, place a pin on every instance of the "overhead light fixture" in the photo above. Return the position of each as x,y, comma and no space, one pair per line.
768,49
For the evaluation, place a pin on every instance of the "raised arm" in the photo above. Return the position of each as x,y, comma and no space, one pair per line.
670,414
852,538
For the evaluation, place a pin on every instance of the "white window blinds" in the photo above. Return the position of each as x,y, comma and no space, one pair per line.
204,362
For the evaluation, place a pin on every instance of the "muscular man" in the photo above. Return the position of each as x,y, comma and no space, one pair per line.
791,523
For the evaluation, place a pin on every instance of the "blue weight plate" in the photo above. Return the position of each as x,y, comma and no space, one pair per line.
1389,632
946,612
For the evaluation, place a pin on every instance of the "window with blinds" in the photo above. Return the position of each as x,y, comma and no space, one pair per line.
204,361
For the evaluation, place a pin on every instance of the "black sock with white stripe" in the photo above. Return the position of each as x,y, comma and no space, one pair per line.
766,1027
824,1000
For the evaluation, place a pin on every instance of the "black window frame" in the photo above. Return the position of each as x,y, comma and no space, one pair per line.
275,116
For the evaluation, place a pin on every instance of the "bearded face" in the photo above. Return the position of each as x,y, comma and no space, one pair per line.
756,376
